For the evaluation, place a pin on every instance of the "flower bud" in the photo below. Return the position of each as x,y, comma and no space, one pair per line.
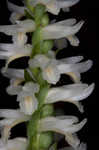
47,110
37,36
45,20
47,45
39,11
30,7
45,140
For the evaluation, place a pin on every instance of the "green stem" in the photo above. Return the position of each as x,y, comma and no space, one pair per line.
36,140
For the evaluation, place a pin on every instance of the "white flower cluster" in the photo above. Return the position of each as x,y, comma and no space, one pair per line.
51,69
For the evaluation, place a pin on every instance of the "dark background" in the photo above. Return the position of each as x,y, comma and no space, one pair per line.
88,35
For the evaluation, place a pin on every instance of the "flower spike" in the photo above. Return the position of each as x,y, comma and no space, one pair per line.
38,86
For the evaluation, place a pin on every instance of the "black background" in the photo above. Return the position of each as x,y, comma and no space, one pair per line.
88,35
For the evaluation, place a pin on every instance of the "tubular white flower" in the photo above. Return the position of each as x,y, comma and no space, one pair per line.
62,29
52,68
69,93
17,49
17,11
21,26
27,99
14,144
66,125
74,69
54,6
11,119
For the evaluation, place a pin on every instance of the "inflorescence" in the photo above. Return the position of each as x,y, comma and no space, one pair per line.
33,86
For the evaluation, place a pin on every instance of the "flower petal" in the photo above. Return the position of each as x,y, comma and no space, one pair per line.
14,8
21,26
74,41
13,90
56,31
72,139
14,144
51,73
13,73
7,124
80,67
28,105
31,87
11,113
39,61
58,124
85,93
67,3
72,60
69,93
27,99
10,59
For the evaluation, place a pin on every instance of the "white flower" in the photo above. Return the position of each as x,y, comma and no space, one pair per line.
26,94
52,68
54,6
63,29
17,11
21,26
27,99
11,119
17,49
14,144
66,125
70,93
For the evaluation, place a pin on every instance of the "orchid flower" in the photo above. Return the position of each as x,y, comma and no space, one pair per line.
52,68
64,125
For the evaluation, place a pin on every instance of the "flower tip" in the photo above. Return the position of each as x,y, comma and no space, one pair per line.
91,87
3,70
89,63
81,23
85,121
